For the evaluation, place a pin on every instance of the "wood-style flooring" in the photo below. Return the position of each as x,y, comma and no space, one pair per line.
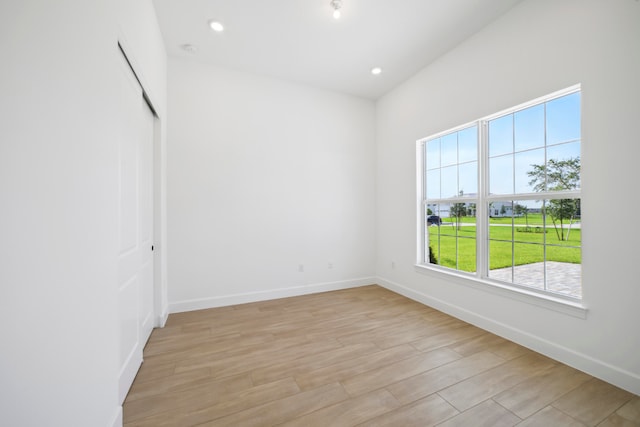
363,356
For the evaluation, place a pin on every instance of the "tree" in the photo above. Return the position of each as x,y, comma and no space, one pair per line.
561,209
558,175
519,209
458,210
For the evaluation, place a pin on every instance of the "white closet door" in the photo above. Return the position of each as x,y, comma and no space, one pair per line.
135,215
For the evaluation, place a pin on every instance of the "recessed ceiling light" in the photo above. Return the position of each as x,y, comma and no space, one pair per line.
216,26
189,48
336,5
376,70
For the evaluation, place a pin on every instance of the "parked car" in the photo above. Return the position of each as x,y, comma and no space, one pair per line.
434,220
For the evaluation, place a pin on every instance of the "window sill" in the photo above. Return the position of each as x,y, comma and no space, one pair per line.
558,304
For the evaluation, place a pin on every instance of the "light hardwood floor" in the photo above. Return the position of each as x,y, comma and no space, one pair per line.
363,356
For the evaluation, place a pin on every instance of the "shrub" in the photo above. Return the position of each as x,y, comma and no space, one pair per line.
531,230
432,257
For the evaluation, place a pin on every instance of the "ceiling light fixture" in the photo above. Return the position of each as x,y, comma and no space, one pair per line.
216,26
376,70
336,5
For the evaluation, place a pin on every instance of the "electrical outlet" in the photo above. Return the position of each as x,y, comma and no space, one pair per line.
393,264
301,268
330,265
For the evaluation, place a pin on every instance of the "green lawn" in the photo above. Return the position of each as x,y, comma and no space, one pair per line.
525,246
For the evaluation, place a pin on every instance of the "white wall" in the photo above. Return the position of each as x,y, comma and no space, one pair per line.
58,198
263,176
538,47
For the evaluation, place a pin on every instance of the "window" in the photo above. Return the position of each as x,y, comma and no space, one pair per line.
500,197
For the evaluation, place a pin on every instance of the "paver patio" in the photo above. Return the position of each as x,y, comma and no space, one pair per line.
562,278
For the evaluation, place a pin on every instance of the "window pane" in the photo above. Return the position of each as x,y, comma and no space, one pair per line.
523,166
563,226
468,179
501,135
564,253
563,167
433,184
448,222
501,175
562,170
563,119
452,235
461,216
449,183
432,209
467,250
468,144
448,256
529,128
433,154
500,261
449,149
431,252
433,231
502,211
529,265
528,221
565,277
468,222
564,151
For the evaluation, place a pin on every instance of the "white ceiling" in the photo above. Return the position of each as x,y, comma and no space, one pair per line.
299,40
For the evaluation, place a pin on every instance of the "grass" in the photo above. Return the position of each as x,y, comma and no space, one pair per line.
518,245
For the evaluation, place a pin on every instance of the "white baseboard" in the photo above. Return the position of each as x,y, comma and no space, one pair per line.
161,319
233,299
597,368
128,371
117,418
